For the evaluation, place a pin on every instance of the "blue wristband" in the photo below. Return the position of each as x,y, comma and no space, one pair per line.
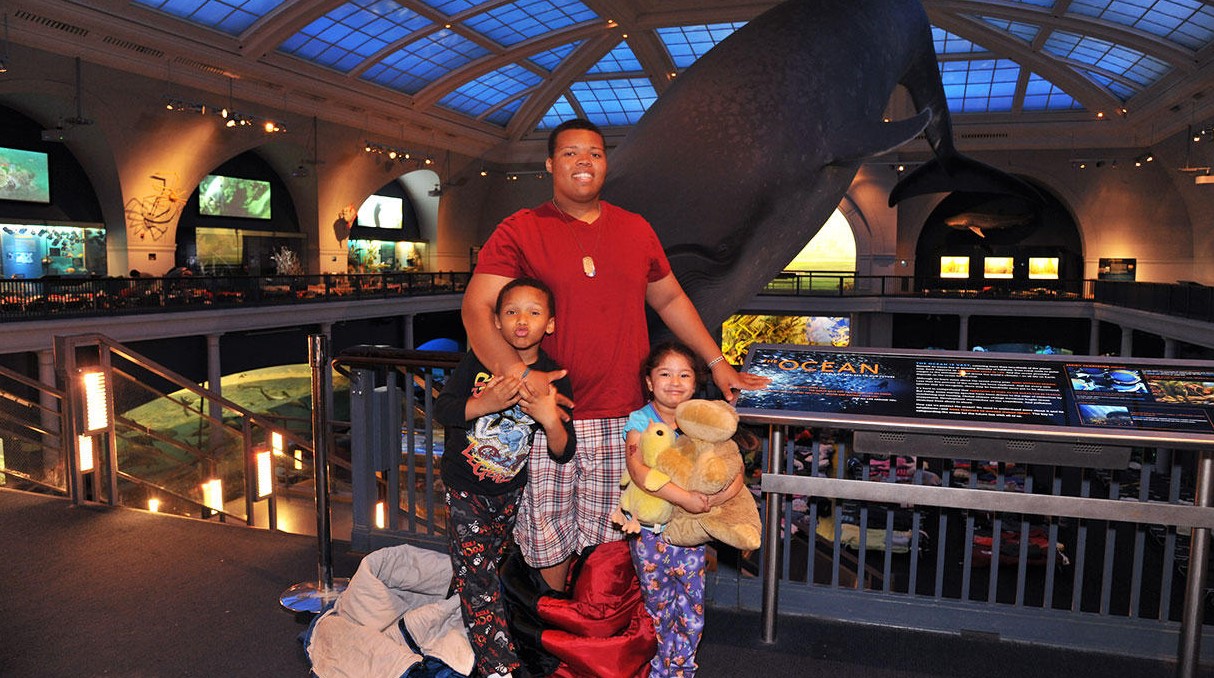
524,374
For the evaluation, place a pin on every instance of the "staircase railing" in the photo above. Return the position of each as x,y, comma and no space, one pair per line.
31,435
143,436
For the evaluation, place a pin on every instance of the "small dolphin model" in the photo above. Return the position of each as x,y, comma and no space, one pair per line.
740,162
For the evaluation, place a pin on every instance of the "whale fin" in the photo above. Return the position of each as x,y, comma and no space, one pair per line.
875,140
956,172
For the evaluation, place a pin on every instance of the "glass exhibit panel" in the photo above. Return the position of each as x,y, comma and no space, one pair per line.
997,267
954,267
1043,268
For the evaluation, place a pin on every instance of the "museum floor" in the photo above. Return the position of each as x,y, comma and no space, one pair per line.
116,592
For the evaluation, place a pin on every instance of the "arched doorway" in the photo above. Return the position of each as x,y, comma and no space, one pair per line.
977,241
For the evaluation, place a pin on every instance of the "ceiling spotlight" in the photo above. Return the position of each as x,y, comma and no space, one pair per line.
484,172
230,123
392,154
3,66
428,161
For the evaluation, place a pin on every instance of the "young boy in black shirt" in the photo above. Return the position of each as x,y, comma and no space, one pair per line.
490,421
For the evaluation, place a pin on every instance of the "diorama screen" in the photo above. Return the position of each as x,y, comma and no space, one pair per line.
1043,268
1096,394
381,211
220,196
24,176
998,267
954,267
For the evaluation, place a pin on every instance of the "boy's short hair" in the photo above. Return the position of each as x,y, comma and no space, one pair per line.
534,283
572,123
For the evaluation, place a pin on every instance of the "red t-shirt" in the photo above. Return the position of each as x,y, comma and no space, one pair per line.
601,336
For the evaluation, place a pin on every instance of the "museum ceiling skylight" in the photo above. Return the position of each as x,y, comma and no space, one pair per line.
525,65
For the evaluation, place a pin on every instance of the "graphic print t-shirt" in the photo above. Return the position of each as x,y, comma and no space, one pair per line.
487,455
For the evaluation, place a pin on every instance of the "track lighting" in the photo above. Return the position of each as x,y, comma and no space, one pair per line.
230,117
393,153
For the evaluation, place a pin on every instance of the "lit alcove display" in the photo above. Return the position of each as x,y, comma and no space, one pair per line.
997,267
1043,268
954,267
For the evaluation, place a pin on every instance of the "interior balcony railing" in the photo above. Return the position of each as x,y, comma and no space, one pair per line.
48,298
1011,566
123,430
83,297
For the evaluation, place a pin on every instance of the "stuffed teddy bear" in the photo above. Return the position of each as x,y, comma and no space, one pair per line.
658,451
708,426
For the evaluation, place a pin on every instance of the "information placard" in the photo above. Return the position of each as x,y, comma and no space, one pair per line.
1043,394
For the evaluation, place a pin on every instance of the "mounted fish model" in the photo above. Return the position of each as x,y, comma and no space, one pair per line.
743,159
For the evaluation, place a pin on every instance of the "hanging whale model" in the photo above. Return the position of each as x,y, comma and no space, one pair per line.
740,162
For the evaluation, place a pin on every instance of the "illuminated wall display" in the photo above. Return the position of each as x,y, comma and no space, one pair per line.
997,267
1043,268
220,196
954,267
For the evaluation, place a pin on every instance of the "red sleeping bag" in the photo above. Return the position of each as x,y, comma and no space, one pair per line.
599,628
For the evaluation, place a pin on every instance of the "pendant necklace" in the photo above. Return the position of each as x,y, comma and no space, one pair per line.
587,260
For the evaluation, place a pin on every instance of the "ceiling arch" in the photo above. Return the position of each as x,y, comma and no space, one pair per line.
502,71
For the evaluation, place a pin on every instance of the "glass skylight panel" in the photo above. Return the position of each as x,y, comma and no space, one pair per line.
501,116
423,61
453,7
685,44
1103,55
561,111
1187,22
551,59
1042,95
350,34
619,60
1119,89
1026,32
1035,3
980,85
477,96
525,19
230,16
613,103
951,43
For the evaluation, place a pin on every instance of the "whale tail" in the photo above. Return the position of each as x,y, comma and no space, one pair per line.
955,172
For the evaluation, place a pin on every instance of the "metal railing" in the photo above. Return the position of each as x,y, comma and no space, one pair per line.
152,439
1071,557
32,435
84,297
395,445
1090,558
842,284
